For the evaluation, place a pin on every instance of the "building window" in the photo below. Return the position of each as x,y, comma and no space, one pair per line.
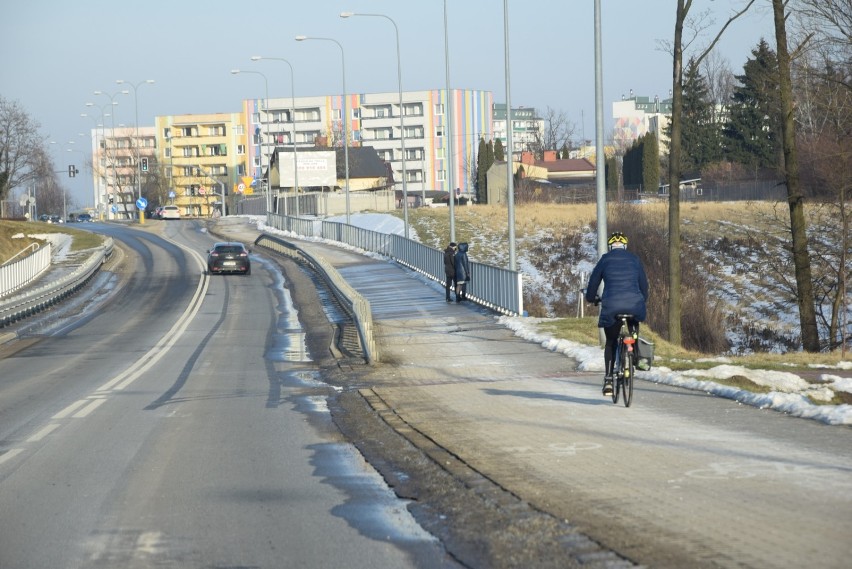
241,169
414,175
439,132
335,114
356,113
239,130
412,110
380,113
167,153
439,108
241,150
167,133
439,153
441,175
414,132
413,153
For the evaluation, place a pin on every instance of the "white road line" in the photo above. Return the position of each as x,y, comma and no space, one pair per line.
9,454
153,355
70,409
85,411
46,430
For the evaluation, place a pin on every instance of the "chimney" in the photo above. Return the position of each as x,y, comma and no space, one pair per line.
550,156
527,158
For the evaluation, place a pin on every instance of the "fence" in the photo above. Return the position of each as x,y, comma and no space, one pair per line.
16,274
494,287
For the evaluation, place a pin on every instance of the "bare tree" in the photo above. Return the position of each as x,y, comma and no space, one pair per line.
795,197
19,142
720,82
828,24
699,24
557,131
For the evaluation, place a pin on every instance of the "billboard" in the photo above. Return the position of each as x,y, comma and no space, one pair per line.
316,168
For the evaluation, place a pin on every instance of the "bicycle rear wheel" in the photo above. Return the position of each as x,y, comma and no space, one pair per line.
618,372
627,382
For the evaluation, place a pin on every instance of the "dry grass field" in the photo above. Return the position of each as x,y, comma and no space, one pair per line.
737,280
17,235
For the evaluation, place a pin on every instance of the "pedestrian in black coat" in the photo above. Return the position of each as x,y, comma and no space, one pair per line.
450,268
462,272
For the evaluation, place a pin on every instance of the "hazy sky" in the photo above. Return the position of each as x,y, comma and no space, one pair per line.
56,53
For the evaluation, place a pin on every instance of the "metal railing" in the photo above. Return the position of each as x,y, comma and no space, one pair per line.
15,274
497,288
39,298
355,305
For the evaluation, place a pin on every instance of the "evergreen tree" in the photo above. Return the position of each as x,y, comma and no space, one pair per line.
481,169
565,153
611,175
650,163
701,138
752,135
499,155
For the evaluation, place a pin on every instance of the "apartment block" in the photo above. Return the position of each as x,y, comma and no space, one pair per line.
416,147
202,158
118,155
527,129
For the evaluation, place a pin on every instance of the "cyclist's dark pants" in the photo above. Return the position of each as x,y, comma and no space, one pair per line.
611,333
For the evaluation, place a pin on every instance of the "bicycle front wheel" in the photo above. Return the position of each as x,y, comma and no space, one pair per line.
627,383
618,372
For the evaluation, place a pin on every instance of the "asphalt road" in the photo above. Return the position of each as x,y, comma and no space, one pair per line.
234,448
183,423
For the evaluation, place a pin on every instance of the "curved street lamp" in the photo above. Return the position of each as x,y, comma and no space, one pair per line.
292,129
401,113
266,128
136,112
112,135
345,115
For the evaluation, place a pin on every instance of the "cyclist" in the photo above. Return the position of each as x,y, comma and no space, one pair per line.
625,292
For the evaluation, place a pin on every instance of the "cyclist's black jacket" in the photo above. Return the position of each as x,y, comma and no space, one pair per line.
625,286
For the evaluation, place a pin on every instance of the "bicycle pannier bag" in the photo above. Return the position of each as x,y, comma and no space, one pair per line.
645,354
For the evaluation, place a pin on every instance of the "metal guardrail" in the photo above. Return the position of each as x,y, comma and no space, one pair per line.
497,288
356,305
39,298
16,274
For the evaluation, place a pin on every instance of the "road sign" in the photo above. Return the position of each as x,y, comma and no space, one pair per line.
202,190
172,195
141,203
114,209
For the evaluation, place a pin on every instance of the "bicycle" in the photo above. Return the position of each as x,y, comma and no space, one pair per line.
625,361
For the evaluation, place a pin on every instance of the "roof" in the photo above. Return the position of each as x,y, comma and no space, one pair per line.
576,165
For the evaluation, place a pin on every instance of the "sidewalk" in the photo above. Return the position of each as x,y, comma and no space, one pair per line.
517,426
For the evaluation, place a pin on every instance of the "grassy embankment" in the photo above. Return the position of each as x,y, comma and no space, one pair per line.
485,227
11,245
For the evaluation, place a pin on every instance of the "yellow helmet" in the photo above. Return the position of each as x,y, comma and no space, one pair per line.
617,237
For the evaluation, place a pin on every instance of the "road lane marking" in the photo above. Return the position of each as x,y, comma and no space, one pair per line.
10,454
85,411
70,409
154,355
46,430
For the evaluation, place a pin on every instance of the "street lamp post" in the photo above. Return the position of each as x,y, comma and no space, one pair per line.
451,176
101,171
401,113
112,135
136,112
266,128
345,115
292,129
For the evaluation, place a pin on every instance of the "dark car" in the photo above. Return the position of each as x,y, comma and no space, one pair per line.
229,257
84,217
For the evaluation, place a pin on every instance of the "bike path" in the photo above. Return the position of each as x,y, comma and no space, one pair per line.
682,478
